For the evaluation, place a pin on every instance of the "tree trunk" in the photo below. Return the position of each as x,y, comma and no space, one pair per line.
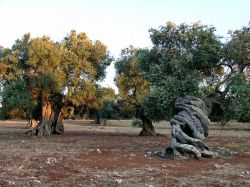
32,123
51,120
57,125
147,127
97,117
188,128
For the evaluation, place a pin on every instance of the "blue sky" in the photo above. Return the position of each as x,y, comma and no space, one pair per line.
117,23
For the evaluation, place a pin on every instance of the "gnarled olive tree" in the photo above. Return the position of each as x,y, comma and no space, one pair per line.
189,127
57,75
133,87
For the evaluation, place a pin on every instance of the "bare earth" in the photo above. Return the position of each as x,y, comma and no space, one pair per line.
90,155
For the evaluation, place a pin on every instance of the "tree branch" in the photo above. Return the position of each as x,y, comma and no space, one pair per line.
228,65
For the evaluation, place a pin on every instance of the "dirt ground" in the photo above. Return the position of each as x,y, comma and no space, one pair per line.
113,155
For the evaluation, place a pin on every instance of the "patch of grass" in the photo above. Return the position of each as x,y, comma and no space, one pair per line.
136,123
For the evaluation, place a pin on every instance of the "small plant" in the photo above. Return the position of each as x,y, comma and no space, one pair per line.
136,123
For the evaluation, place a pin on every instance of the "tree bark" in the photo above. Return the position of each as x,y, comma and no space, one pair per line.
188,128
51,118
147,127
97,117
57,119
32,123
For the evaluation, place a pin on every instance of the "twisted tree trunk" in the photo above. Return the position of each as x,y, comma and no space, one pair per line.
189,127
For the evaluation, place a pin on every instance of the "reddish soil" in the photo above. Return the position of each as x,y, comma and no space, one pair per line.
101,156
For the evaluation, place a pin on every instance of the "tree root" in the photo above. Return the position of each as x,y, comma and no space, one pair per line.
184,152
45,128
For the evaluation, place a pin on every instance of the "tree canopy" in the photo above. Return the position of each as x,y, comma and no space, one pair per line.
55,74
181,58
193,60
132,87
237,77
44,79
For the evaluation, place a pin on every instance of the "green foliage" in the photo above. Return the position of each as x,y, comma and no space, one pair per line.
102,95
70,68
129,80
136,123
237,48
84,63
237,59
110,110
113,109
177,64
98,105
179,51
85,57
239,98
17,101
184,60
158,105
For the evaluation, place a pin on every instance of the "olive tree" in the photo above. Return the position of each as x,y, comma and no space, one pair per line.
57,75
133,87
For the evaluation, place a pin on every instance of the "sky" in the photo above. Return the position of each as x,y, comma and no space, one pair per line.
116,23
